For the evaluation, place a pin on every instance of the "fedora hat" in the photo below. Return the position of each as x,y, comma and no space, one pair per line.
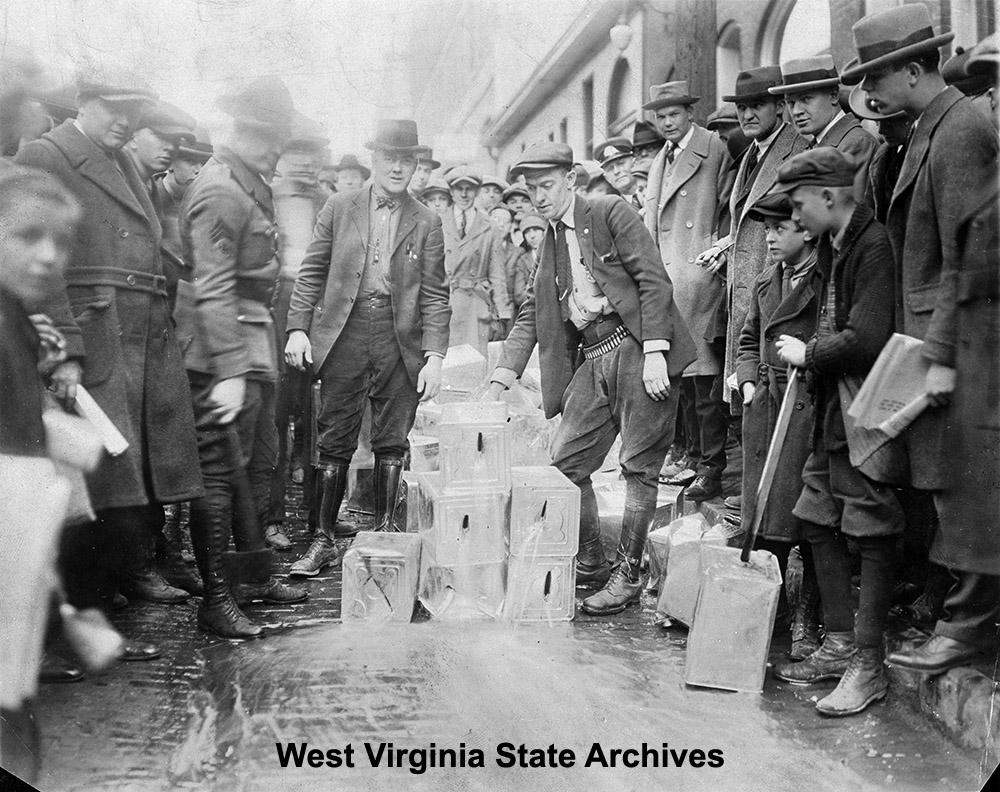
753,84
426,154
645,135
985,56
350,162
668,94
956,72
395,134
863,108
806,74
891,36
265,102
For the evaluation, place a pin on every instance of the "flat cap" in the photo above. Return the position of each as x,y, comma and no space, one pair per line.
543,156
517,188
532,220
496,181
168,121
985,56
774,204
265,102
723,118
436,184
463,173
113,82
818,167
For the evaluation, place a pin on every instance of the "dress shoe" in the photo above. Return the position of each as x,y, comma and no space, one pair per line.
703,488
864,682
140,650
830,661
119,602
592,575
270,591
619,592
936,655
679,475
321,553
275,538
734,502
150,586
58,670
224,619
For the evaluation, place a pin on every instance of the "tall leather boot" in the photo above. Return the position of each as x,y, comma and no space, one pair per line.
210,529
388,471
140,578
626,582
331,486
592,567
805,621
864,682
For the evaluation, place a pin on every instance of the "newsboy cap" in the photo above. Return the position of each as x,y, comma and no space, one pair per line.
669,94
614,149
818,167
265,102
543,156
774,204
532,220
463,174
753,84
806,74
985,56
722,118
436,184
956,72
517,188
890,36
168,121
495,181
111,81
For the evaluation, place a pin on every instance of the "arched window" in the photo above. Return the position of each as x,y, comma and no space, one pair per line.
728,60
621,97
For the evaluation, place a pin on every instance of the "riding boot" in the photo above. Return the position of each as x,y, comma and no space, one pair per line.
592,567
805,621
388,471
626,582
331,487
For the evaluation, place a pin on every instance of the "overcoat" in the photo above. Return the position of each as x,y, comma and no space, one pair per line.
681,212
748,255
883,171
114,309
621,255
951,157
769,318
330,277
849,137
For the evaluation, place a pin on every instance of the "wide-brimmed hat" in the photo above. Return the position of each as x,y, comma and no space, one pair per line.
168,121
725,116
517,188
436,184
111,81
819,167
614,149
644,134
350,162
463,174
956,72
495,181
265,103
543,156
426,154
863,108
985,56
753,84
806,74
669,94
887,37
396,134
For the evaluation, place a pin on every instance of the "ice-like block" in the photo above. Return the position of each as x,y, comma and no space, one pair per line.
423,453
729,641
463,526
475,445
427,418
679,592
658,548
465,591
531,435
381,571
541,589
544,513
407,515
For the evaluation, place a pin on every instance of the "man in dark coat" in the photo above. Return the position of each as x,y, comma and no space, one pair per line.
369,314
887,161
114,312
600,294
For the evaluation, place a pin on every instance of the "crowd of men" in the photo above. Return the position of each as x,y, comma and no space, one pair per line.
676,288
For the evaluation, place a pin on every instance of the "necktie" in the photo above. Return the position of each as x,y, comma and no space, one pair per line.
564,275
462,225
786,281
670,153
752,156
381,200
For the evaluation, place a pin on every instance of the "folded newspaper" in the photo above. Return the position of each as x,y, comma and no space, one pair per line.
894,393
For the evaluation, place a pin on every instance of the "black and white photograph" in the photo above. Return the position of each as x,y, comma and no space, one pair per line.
490,395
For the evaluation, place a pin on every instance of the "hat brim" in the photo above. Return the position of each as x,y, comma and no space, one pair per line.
374,145
760,215
861,110
749,97
464,180
121,97
434,163
535,167
617,157
802,87
184,152
670,101
852,75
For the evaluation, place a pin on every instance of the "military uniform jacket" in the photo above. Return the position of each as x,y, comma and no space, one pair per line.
114,310
230,243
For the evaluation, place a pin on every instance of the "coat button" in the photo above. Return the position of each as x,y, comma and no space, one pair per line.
350,299
690,259
684,193
357,274
689,224
799,405
241,317
130,280
123,233
768,337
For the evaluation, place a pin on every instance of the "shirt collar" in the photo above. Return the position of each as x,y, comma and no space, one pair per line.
765,144
681,144
840,114
569,216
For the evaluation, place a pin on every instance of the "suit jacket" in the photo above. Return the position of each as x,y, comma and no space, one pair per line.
849,137
681,212
330,277
114,309
883,171
623,259
748,255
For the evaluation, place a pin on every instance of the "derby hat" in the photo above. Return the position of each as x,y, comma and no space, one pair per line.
426,154
350,162
463,174
614,149
436,184
819,167
754,83
888,37
863,108
395,134
168,121
644,134
265,102
111,81
543,156
806,74
669,94
517,188
496,181
774,204
724,117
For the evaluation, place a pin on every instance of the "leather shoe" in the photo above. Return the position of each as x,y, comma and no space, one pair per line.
275,538
270,591
619,592
140,650
937,654
703,488
321,553
58,670
734,502
151,587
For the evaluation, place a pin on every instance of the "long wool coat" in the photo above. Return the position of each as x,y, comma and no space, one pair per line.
114,310
681,211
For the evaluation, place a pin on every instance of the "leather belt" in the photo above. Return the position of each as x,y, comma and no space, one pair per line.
118,278
600,328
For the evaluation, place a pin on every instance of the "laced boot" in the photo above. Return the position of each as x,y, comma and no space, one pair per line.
331,486
272,591
140,579
805,620
830,661
388,471
173,567
627,581
864,682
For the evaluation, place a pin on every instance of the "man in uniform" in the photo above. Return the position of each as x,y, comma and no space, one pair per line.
616,160
369,314
230,243
612,347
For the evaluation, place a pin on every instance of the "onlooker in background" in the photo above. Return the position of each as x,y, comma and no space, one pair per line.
426,165
490,192
616,161
503,218
641,175
517,198
887,161
597,182
646,143
351,174
975,85
162,128
985,58
533,227
437,195
724,122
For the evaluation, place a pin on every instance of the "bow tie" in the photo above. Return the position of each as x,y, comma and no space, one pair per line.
381,200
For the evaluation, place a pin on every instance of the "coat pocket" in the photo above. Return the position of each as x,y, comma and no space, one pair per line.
922,299
99,327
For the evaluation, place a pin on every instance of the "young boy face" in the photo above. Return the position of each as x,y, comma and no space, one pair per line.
811,209
518,203
785,240
502,220
35,246
438,201
533,236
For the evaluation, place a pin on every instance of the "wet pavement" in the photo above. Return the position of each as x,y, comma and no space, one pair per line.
208,714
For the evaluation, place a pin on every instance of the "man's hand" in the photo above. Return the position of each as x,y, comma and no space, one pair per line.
940,384
227,398
64,379
429,378
792,350
712,259
53,344
654,376
748,391
298,350
493,391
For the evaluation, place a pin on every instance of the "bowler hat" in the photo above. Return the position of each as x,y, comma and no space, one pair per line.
436,184
956,72
168,121
724,117
350,162
806,74
890,36
532,220
496,181
109,80
669,94
819,167
517,188
395,134
426,154
753,84
543,156
614,149
644,134
863,108
265,102
774,204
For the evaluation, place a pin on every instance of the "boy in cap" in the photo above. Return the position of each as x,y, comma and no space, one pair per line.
837,500
517,198
600,294
533,229
161,131
490,192
437,195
